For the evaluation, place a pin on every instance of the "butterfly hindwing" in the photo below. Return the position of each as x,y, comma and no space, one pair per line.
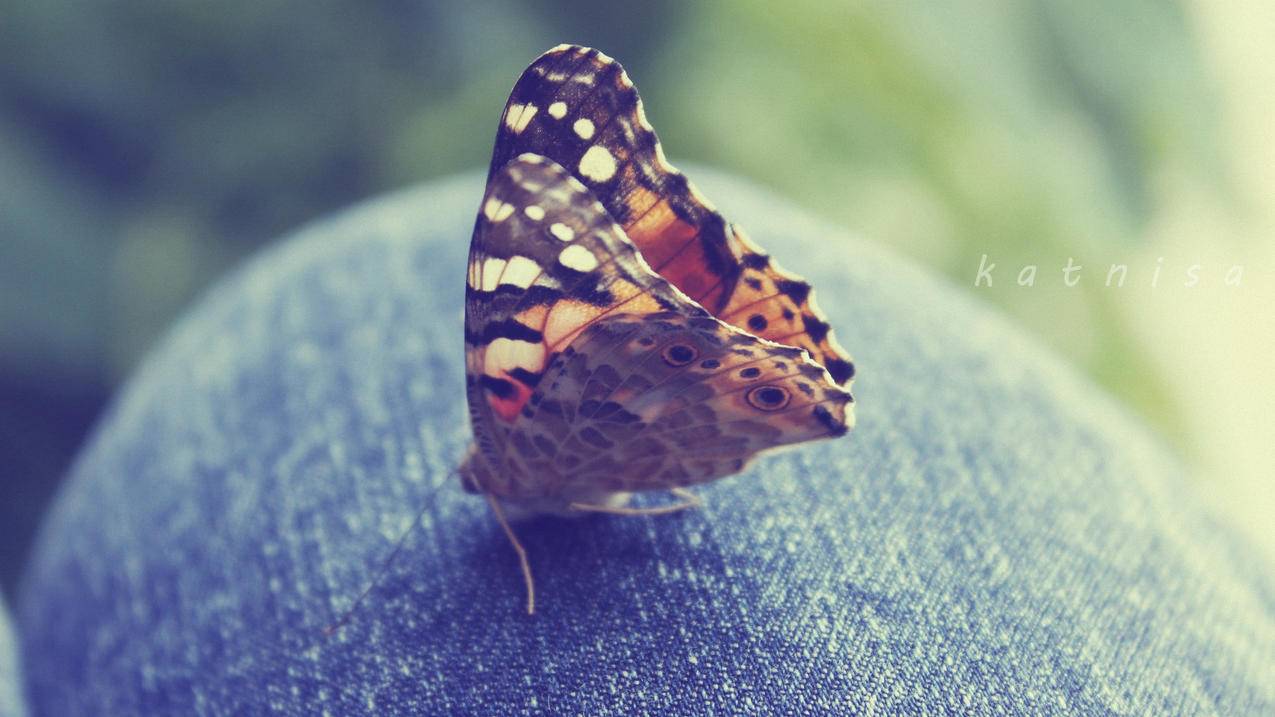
578,107
666,399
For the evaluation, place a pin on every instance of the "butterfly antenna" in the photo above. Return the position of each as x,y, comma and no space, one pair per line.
330,630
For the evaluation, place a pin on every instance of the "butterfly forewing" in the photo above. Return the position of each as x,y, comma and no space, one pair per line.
546,261
577,107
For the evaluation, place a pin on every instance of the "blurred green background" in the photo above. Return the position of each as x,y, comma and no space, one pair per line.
148,146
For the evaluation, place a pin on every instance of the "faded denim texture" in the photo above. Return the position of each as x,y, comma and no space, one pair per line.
996,537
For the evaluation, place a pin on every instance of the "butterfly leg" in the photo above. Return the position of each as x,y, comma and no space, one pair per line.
522,552
689,500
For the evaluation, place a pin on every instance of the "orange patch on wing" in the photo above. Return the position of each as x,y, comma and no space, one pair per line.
631,298
566,320
643,304
659,234
638,199
689,272
507,408
535,316
746,300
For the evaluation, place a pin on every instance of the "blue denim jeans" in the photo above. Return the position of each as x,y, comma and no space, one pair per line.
995,537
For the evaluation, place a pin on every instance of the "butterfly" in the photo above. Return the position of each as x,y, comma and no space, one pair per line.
620,334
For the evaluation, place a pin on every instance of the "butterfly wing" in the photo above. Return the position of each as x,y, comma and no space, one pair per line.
588,372
668,399
545,262
577,107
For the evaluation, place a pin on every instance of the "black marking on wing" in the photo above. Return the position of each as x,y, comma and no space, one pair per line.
825,417
507,328
798,291
527,377
499,386
840,369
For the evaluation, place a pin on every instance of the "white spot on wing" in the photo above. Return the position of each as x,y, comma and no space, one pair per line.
584,128
578,258
519,116
534,212
597,164
641,115
490,207
562,231
504,354
558,110
520,272
492,267
496,210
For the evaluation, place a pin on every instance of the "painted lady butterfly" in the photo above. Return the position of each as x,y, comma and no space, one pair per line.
620,335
